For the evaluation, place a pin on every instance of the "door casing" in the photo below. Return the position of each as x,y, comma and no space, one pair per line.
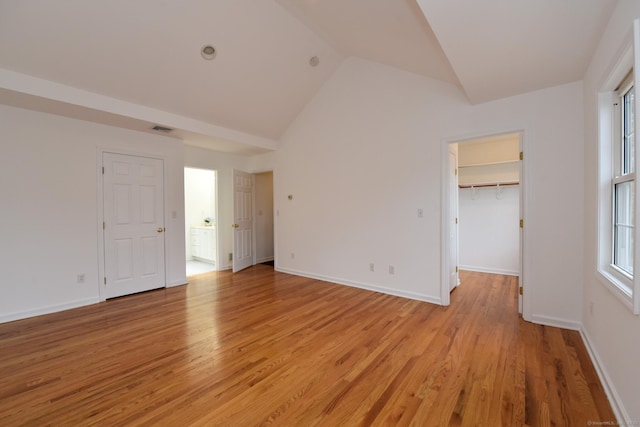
523,300
100,209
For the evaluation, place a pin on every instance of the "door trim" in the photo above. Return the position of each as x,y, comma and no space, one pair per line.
100,209
524,213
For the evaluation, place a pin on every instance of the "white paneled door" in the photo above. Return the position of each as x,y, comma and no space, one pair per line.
133,191
242,220
454,278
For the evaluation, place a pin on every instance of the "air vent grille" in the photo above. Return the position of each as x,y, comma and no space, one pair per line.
162,128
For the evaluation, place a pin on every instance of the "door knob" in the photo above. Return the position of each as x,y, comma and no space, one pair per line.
160,229
235,225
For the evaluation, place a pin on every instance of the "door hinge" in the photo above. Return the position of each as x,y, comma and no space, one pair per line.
104,225
456,268
103,170
456,171
521,155
105,280
456,220
522,223
521,290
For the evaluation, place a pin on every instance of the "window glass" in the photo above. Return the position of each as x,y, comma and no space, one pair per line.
628,123
623,226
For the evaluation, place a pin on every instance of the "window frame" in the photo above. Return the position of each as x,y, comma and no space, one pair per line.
625,286
623,172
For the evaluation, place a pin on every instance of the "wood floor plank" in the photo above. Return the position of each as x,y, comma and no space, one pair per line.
265,348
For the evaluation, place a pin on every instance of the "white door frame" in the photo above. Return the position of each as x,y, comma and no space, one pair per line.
524,214
100,210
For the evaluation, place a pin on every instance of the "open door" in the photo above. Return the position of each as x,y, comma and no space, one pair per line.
521,240
242,220
454,278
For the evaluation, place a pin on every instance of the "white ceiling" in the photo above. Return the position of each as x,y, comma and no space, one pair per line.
391,32
147,52
138,62
501,48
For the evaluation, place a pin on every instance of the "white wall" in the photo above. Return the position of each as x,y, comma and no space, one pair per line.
49,226
612,331
488,230
365,154
264,216
199,201
224,164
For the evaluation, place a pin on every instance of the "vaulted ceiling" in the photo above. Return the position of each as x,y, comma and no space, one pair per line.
138,63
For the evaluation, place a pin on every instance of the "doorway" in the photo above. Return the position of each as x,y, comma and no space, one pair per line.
488,200
264,224
253,226
201,226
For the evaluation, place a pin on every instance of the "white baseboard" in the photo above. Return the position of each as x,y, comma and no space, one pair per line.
266,259
368,287
48,310
490,270
556,322
622,416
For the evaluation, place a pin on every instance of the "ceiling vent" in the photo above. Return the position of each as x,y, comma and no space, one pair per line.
162,129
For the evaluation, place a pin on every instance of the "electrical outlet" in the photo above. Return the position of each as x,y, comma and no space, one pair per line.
392,269
81,278
230,256
293,256
371,267
420,213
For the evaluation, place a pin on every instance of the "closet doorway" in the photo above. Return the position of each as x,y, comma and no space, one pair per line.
488,199
201,231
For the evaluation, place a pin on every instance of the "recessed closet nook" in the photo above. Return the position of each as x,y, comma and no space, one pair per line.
489,204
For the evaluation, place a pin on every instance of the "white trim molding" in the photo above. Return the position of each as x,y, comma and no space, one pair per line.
47,310
365,286
490,270
556,322
622,416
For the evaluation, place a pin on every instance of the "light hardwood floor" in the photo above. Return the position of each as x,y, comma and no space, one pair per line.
266,348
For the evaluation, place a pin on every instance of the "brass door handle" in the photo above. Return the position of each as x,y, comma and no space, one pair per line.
235,225
160,229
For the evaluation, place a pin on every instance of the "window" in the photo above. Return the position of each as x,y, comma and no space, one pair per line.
618,200
623,181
